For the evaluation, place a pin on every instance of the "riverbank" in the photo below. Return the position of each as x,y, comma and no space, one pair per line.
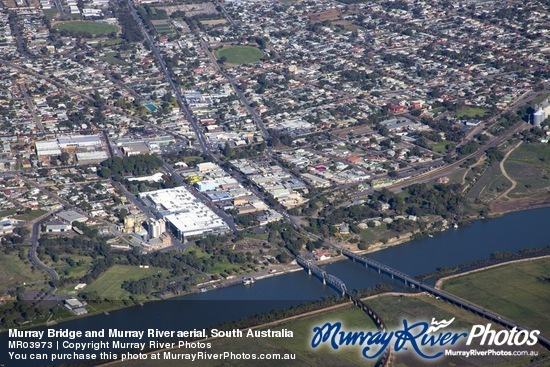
440,281
516,205
285,320
521,294
293,268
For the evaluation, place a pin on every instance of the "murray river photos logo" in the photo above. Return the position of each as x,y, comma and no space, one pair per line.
427,340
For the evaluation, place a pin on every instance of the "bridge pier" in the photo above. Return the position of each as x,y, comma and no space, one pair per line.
324,281
379,271
309,271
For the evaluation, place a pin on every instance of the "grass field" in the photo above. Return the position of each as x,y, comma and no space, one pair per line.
108,285
261,237
299,344
521,295
50,13
377,234
440,147
391,308
33,214
93,28
222,268
112,42
8,212
111,58
478,189
240,54
14,271
529,165
471,112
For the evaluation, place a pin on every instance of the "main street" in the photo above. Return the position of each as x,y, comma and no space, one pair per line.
204,146
246,103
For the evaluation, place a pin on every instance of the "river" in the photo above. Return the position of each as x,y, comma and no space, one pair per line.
469,243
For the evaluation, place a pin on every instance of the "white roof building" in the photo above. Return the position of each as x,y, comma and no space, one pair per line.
184,213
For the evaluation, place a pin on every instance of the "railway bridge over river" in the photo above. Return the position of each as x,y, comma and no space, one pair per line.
414,283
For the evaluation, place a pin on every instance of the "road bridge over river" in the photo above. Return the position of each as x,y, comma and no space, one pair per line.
329,279
438,293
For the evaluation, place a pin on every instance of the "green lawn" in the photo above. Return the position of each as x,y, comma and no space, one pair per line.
376,234
440,147
218,267
93,28
33,214
261,237
112,42
8,212
240,54
14,272
50,13
111,58
521,294
223,267
471,112
108,285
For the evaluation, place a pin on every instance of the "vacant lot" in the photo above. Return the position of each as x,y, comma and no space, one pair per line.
108,285
14,272
111,58
93,28
522,293
213,22
489,184
240,54
30,215
529,165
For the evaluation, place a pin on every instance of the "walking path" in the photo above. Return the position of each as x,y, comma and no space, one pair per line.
503,170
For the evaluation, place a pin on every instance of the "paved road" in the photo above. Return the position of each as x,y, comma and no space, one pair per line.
33,257
204,146
246,103
32,108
